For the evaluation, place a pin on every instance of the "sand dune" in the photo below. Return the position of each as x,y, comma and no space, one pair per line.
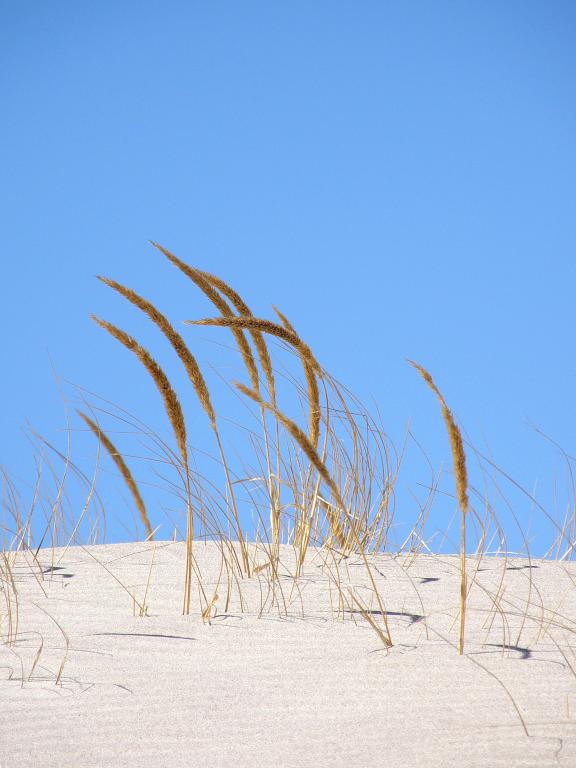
283,679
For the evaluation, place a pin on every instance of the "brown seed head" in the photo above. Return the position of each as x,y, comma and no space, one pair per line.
171,402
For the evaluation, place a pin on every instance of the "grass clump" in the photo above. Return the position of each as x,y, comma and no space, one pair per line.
316,471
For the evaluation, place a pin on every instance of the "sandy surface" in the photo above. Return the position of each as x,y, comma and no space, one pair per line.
286,682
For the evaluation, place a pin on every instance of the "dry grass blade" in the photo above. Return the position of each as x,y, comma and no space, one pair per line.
211,286
265,326
311,366
203,283
456,444
243,309
312,455
284,320
312,384
124,471
11,598
322,470
177,342
176,417
169,396
193,373
459,460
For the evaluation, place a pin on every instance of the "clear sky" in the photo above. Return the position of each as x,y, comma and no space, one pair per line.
398,177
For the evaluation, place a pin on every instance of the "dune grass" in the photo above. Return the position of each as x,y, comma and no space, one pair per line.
459,459
124,471
317,472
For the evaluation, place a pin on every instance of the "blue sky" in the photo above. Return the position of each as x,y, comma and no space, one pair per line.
397,177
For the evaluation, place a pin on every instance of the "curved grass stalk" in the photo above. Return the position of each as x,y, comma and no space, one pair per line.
176,417
459,461
195,376
116,457
210,285
309,362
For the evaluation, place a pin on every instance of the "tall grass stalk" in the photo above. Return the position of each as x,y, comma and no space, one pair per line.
459,461
264,356
124,471
176,417
210,285
196,378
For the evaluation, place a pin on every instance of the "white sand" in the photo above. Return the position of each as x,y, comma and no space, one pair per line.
306,690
